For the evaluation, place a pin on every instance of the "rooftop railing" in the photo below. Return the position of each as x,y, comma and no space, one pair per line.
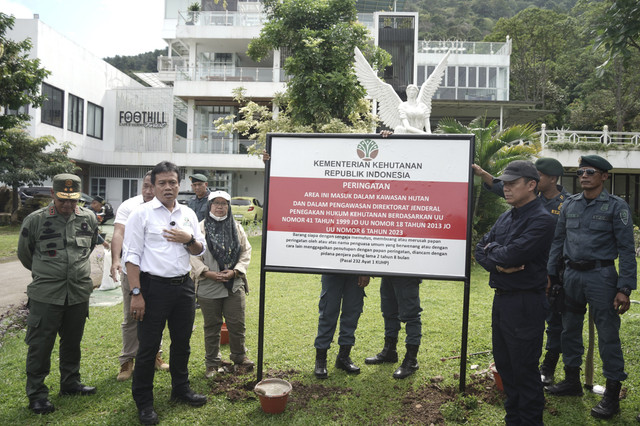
465,47
589,137
225,18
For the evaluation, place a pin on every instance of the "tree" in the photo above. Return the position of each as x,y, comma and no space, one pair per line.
494,150
540,39
26,162
618,29
319,37
20,78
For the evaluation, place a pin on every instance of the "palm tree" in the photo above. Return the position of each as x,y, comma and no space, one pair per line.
494,149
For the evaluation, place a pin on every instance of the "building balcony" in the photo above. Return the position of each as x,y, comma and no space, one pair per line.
622,148
221,19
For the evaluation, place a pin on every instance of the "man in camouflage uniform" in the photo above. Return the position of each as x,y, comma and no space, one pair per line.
55,244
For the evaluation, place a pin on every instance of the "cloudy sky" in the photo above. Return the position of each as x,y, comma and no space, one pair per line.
104,27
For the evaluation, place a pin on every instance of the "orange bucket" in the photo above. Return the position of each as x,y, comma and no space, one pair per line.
496,377
273,394
224,334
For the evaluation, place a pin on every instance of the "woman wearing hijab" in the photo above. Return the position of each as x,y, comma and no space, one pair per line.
221,277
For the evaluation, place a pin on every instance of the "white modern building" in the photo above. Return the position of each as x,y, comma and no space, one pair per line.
120,129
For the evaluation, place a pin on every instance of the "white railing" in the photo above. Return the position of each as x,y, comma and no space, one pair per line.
223,18
464,47
583,136
217,72
166,63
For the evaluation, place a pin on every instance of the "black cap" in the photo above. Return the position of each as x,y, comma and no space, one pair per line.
517,169
595,161
98,199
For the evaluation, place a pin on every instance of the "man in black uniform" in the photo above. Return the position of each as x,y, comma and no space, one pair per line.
515,253
553,196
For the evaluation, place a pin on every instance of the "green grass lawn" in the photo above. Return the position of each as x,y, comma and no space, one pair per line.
8,240
373,397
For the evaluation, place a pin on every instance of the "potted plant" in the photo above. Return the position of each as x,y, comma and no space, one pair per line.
193,11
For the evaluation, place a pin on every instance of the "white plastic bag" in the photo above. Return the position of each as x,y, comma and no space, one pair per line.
107,281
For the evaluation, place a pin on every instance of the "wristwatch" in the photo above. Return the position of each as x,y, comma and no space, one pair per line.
625,290
134,291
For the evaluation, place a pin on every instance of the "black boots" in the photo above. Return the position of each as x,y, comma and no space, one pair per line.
570,386
321,364
343,361
410,363
548,367
388,353
610,403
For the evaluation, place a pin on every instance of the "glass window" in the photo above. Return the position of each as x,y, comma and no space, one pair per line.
95,116
451,77
462,76
472,77
129,188
99,187
75,114
482,77
493,73
53,106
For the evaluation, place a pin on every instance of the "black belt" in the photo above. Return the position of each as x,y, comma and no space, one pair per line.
587,265
172,280
501,292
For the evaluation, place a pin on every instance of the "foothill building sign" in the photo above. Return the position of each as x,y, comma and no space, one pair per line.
153,119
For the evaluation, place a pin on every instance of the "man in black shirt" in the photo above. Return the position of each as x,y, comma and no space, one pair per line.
515,252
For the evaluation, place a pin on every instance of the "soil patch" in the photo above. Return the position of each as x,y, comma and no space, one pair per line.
13,320
431,403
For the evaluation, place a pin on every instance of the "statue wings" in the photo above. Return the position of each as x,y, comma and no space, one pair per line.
388,99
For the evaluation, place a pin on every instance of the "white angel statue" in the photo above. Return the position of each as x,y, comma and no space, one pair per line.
411,116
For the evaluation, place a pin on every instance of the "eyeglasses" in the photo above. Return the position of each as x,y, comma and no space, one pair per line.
215,203
589,172
65,200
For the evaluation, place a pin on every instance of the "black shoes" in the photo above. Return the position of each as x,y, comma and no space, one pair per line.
610,403
320,370
409,364
41,406
548,367
148,416
388,353
79,389
189,397
570,386
343,361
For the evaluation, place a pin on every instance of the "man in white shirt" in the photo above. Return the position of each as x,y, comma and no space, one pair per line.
129,325
159,238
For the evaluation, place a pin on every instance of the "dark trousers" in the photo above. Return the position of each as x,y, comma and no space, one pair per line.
400,302
517,323
339,290
596,287
45,322
169,304
554,332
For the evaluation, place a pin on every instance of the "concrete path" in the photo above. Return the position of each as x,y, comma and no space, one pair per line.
16,278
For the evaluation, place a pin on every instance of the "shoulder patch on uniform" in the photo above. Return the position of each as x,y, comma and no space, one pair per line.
25,232
624,217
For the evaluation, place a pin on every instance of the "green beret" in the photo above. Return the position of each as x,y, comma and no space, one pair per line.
67,186
198,177
549,166
595,161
